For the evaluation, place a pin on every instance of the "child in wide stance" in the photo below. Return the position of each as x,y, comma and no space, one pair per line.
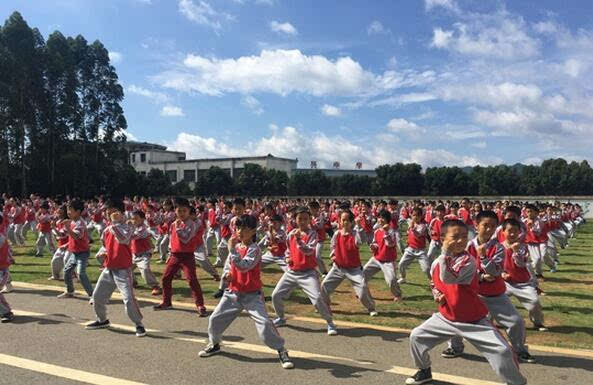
244,292
118,270
461,312
6,314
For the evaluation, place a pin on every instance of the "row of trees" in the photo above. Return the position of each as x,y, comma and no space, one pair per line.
60,116
553,177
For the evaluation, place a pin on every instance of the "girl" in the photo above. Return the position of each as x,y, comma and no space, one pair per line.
61,254
242,273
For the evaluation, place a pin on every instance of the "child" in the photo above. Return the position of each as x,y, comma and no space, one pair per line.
517,275
318,224
537,240
200,251
489,255
224,220
417,235
61,233
345,256
366,221
165,229
228,231
44,227
118,270
6,314
183,245
213,227
141,247
275,240
434,228
461,312
301,272
78,246
242,272
384,248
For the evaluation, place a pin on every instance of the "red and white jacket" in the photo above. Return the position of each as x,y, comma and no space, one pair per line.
301,251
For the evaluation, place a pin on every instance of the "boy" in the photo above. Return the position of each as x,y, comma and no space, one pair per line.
517,275
384,248
345,256
275,240
78,247
301,261
117,272
537,240
242,272
213,226
461,312
434,228
183,244
141,247
228,231
6,314
417,235
60,231
44,227
318,224
489,255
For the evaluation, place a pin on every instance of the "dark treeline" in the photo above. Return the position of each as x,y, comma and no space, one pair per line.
60,116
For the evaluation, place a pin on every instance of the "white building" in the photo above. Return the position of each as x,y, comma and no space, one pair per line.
146,156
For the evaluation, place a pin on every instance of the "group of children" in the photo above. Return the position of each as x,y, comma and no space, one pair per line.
478,256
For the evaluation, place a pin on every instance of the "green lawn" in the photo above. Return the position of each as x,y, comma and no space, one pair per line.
568,305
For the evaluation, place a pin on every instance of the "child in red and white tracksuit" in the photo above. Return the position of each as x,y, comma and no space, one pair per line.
417,237
6,260
59,230
141,247
44,238
434,228
537,241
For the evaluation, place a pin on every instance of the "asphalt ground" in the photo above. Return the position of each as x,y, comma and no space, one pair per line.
47,344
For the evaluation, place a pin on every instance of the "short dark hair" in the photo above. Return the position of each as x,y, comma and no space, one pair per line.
385,214
302,210
246,220
530,206
417,210
451,223
115,203
486,214
440,208
350,215
139,213
513,209
277,218
76,205
314,204
238,201
44,205
181,202
511,222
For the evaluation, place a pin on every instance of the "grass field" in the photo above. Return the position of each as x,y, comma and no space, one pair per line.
568,305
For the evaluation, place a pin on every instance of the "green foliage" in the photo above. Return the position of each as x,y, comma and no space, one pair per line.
214,181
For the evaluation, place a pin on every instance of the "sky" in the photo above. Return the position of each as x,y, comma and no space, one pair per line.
436,82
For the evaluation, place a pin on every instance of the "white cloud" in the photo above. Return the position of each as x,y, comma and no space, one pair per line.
447,4
283,28
399,125
130,136
441,38
252,104
480,145
202,13
377,28
115,57
284,72
157,97
172,111
330,110
398,100
503,94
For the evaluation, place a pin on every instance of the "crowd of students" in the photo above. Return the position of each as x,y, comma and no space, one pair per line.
475,255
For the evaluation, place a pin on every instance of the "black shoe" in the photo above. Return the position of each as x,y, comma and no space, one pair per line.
97,325
7,317
162,306
218,294
140,331
526,357
285,359
451,353
210,350
422,376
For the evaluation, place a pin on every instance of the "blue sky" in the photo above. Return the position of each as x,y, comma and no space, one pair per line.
438,82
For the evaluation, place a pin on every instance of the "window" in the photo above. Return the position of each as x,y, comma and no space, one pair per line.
142,158
133,158
189,175
172,175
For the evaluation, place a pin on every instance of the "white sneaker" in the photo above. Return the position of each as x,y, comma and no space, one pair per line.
331,330
8,288
374,313
279,322
401,280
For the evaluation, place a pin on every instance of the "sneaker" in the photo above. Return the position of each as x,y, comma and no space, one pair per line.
97,325
451,353
401,280
7,317
279,322
162,306
374,313
555,268
397,299
202,312
37,255
66,295
285,359
52,278
331,330
210,350
540,277
157,291
91,301
216,278
422,376
8,288
541,328
140,331
526,357
540,292
218,294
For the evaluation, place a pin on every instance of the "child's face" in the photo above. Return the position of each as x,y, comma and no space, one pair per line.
510,215
115,215
440,214
72,213
182,212
303,220
456,239
277,225
238,210
416,217
168,207
487,227
245,234
314,210
138,221
532,214
345,221
382,221
512,233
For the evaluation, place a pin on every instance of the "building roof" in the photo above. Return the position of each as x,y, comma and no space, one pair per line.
233,158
